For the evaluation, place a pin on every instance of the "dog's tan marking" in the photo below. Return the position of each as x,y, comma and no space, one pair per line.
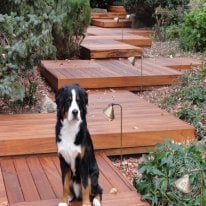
65,115
86,194
66,187
98,197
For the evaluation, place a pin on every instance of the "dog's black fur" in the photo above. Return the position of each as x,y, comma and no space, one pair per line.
87,171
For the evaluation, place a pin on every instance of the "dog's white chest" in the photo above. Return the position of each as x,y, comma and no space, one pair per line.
66,146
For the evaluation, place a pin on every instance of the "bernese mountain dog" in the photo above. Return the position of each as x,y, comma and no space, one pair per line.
78,164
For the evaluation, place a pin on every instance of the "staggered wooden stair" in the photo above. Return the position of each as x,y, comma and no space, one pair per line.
106,20
144,125
107,48
36,181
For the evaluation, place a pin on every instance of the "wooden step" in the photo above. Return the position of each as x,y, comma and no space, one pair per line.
100,74
178,63
144,125
117,9
107,48
37,181
99,31
111,23
108,15
135,40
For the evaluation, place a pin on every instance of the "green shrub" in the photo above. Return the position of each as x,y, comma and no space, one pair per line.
24,41
27,36
145,10
103,4
161,169
193,31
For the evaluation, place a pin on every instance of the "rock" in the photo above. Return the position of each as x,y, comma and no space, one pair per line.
47,105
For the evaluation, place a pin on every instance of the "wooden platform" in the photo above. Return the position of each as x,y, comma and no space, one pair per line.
135,40
98,74
144,125
179,63
98,31
36,181
110,23
107,48
108,15
119,9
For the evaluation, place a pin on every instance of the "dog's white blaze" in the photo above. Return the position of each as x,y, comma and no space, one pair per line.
66,146
77,189
74,106
96,202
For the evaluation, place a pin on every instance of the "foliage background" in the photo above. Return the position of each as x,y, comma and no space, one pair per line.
34,30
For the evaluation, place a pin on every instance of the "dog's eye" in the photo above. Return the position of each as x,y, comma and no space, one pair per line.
77,99
70,99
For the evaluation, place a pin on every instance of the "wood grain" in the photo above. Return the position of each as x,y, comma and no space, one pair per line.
106,74
41,165
144,125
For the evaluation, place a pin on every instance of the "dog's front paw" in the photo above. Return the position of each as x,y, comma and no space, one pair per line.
62,204
96,202
87,204
70,198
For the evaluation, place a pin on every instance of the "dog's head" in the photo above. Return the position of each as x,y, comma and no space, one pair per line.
72,103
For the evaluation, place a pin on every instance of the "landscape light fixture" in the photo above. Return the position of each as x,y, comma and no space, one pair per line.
109,112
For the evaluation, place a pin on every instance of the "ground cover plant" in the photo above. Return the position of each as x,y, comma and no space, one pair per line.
160,170
187,100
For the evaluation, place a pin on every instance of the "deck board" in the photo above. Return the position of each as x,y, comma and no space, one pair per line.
107,175
107,15
107,48
135,40
178,63
106,74
99,31
110,23
144,125
3,195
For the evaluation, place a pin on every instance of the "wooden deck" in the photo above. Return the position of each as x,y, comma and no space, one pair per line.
98,31
36,181
119,9
110,23
144,125
98,74
107,15
107,48
135,40
178,63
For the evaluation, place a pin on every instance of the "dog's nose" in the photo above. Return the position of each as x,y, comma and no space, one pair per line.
75,112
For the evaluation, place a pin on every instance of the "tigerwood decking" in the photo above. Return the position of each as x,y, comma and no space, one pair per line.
107,15
110,23
98,31
119,9
96,74
135,40
36,181
144,125
107,48
179,63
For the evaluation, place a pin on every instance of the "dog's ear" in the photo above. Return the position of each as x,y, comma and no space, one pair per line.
58,97
85,96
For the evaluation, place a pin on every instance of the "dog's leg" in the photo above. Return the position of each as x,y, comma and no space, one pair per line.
66,181
86,189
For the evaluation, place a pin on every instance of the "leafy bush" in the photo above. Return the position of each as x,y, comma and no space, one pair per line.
188,100
24,41
103,4
161,169
27,36
145,10
193,31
